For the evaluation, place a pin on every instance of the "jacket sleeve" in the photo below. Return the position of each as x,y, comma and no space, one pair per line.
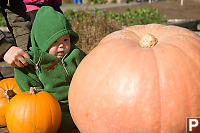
4,45
20,28
80,56
18,22
26,77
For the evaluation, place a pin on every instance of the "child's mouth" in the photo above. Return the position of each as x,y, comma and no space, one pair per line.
60,54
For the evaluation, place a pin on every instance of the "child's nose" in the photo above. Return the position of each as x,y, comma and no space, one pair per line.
61,45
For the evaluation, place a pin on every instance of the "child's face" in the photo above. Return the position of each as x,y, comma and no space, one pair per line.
60,47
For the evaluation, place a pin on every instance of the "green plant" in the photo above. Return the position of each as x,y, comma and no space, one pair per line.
93,25
98,1
138,16
68,1
2,20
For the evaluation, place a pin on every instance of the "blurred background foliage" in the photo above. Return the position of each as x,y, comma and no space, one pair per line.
93,25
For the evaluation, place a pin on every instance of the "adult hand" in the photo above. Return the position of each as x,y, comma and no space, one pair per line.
15,57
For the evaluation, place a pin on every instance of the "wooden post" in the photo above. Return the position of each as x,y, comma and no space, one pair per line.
86,1
149,1
181,2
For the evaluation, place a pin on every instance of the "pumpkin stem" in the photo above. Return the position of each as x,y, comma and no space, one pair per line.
9,94
33,90
148,41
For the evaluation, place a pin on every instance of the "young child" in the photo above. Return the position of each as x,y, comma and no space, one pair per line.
54,59
32,6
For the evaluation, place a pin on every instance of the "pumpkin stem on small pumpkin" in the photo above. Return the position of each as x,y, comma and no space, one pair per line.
33,90
148,41
9,94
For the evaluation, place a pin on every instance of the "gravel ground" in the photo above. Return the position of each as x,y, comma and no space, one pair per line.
172,9
76,7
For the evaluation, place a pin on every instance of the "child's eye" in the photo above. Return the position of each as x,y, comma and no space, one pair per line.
65,40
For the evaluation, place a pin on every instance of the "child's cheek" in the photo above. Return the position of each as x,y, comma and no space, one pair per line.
67,48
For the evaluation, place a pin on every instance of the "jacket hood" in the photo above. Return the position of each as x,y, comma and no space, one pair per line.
48,26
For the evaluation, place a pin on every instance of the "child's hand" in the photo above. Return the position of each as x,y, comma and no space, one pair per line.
15,57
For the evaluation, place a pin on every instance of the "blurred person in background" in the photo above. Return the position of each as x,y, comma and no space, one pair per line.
18,23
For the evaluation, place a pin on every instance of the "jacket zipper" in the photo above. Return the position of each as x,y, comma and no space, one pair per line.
63,63
37,64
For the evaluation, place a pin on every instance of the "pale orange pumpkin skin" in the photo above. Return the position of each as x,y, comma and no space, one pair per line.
33,113
6,84
120,87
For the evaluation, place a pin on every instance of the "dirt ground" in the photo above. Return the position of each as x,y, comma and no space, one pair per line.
172,9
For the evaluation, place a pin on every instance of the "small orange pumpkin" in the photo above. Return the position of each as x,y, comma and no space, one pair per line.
33,112
8,89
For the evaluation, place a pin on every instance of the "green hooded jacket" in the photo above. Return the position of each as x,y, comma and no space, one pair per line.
45,71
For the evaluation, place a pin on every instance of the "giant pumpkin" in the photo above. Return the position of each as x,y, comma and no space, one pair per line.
8,89
142,79
33,112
